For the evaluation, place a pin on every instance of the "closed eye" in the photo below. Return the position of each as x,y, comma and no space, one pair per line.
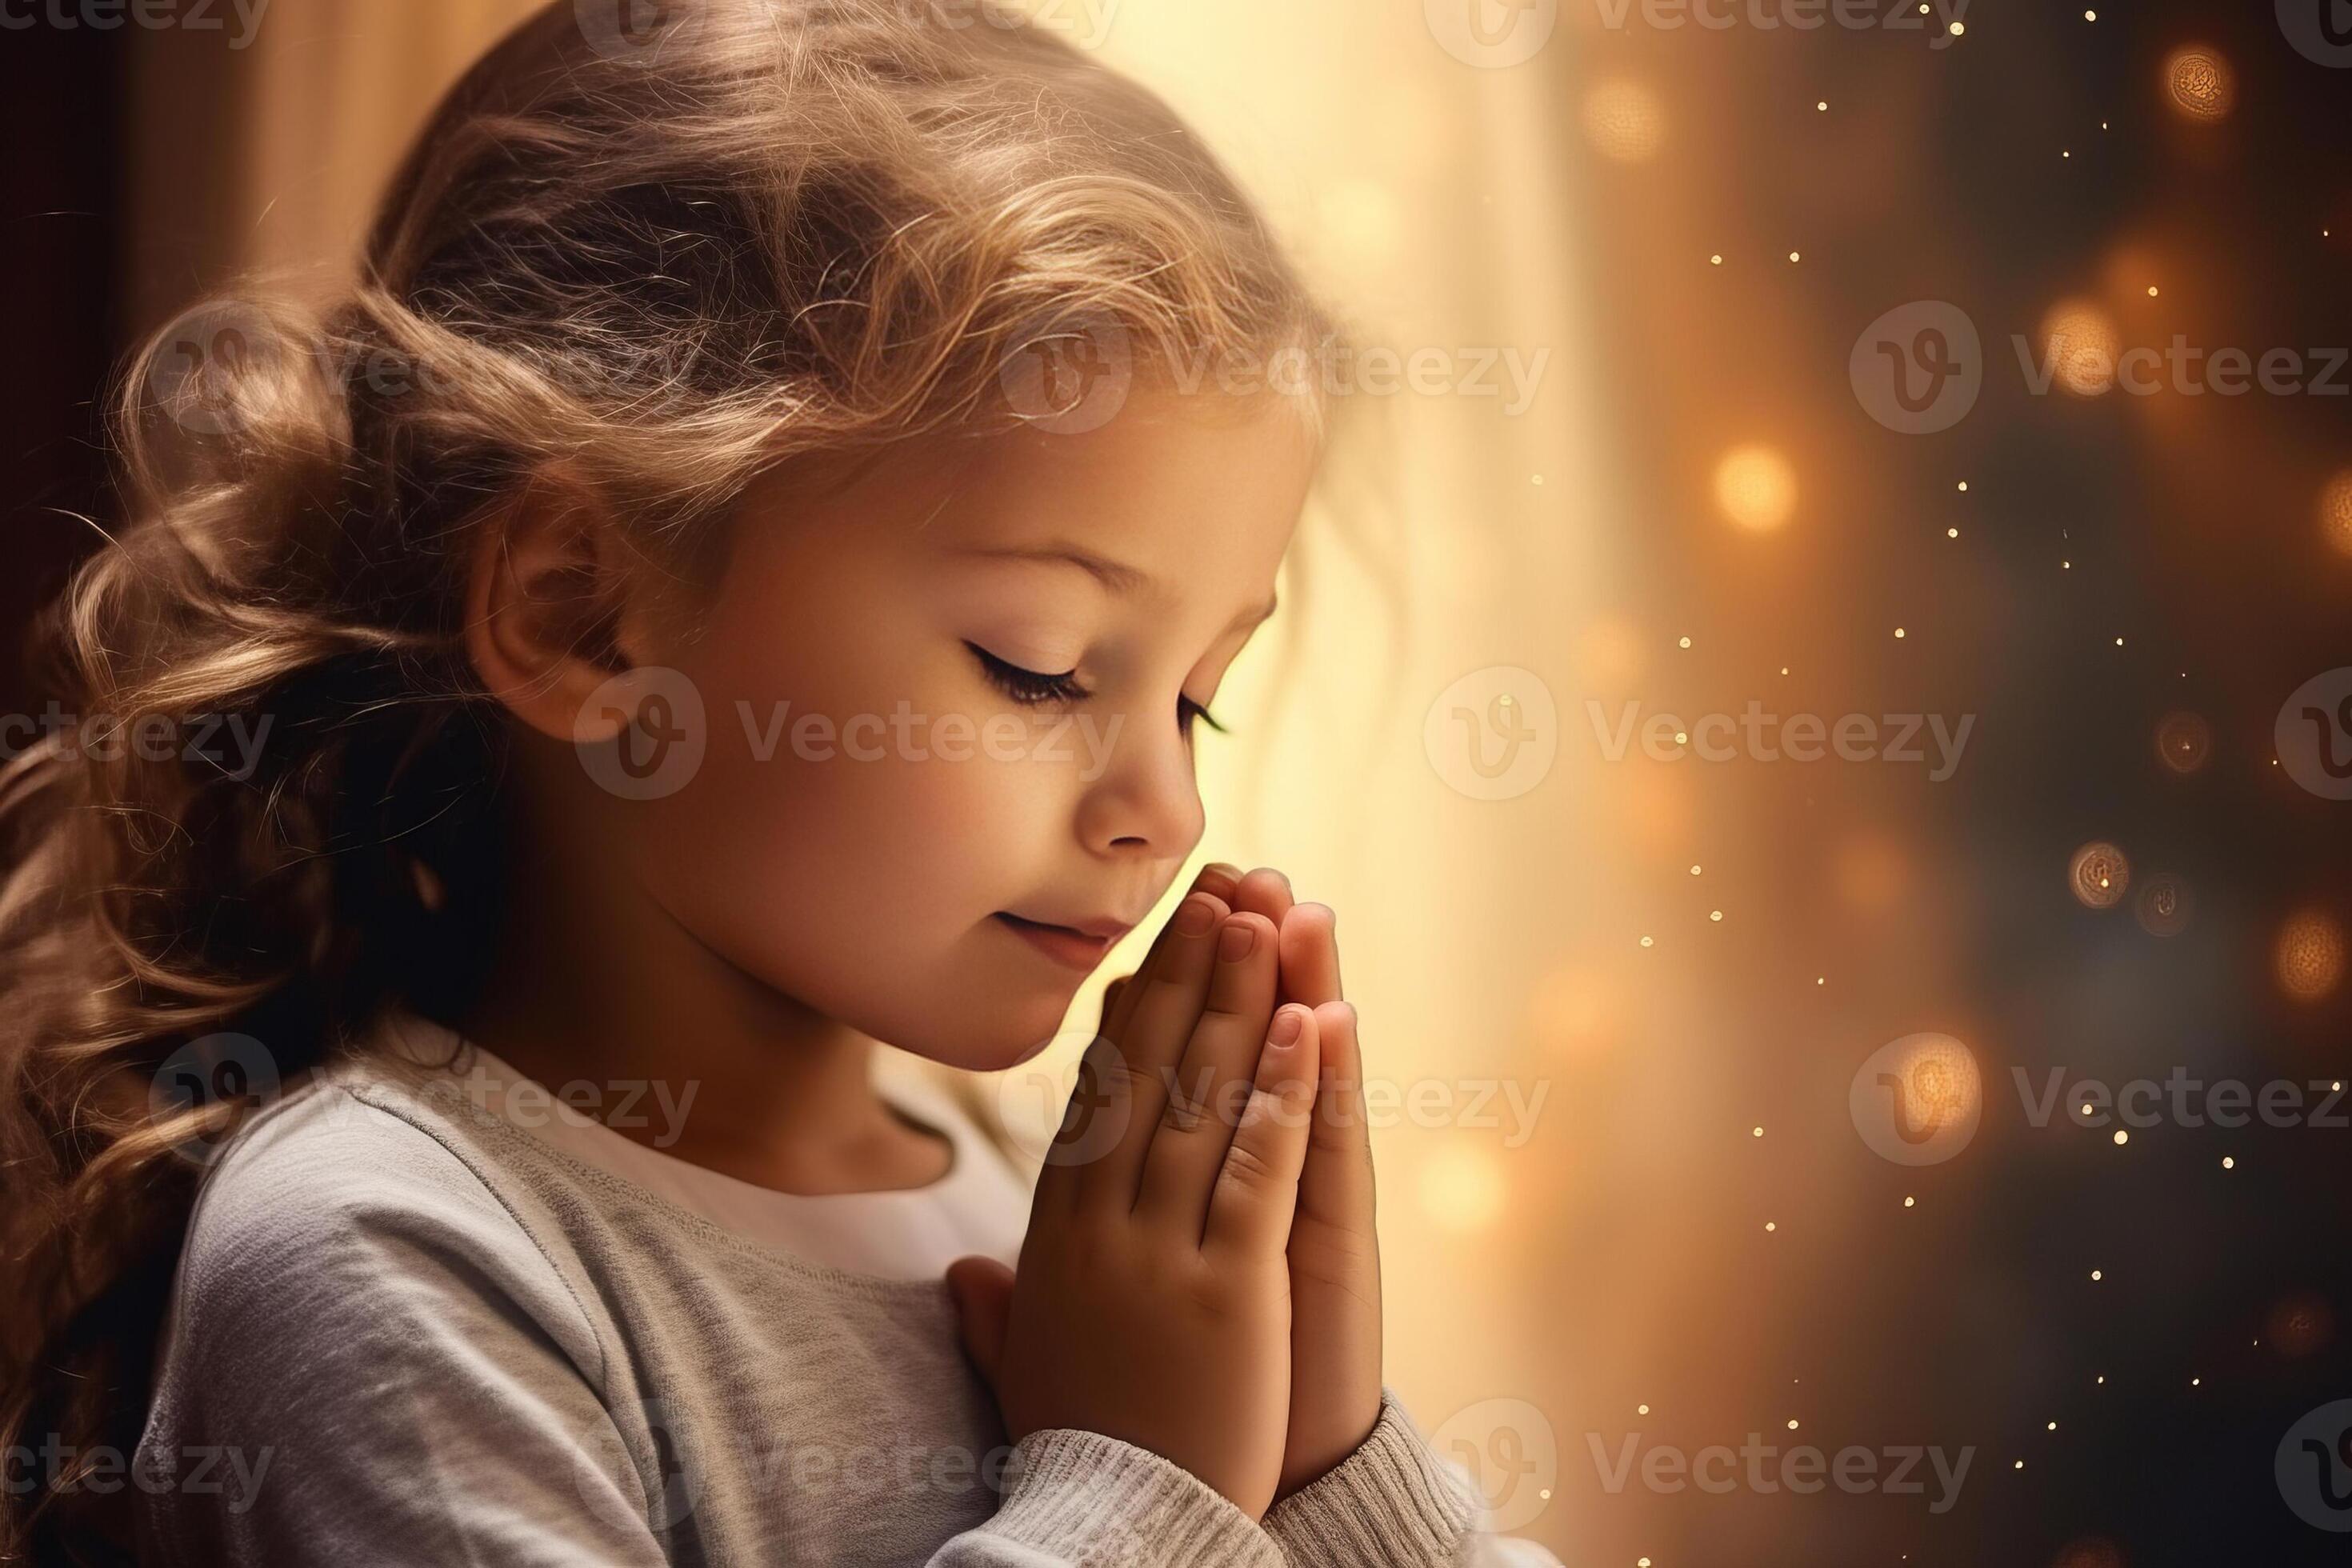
1031,688
1035,689
1187,711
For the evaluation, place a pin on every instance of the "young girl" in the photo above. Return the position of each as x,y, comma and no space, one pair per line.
733,583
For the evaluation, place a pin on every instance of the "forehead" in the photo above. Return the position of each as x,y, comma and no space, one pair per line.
1178,490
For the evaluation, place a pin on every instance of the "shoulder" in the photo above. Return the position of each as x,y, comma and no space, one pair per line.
344,1209
320,1164
396,1371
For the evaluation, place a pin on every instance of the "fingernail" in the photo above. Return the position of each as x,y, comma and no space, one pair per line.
1287,1025
1194,916
1234,945
1219,869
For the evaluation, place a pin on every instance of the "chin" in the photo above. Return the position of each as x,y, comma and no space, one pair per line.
987,1032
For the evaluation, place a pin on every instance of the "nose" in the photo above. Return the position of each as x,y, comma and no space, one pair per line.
1145,803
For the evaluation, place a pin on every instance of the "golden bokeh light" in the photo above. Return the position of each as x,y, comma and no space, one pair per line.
2099,874
2309,955
2082,345
1624,121
2183,741
1462,1190
2165,905
2198,83
1755,487
1941,1085
2335,511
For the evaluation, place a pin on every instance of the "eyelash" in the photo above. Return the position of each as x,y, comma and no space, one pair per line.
1034,689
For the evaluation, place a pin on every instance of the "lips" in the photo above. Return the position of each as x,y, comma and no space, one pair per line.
1080,946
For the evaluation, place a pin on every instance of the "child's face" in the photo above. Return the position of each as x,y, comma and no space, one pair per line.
878,867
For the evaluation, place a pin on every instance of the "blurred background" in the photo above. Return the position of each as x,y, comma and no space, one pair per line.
1769,363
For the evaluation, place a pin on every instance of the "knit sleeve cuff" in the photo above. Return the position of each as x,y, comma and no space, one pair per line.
1085,1498
1392,1504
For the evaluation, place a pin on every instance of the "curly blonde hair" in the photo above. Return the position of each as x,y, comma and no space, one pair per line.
656,265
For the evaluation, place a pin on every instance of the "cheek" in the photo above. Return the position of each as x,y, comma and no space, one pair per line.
861,886
859,822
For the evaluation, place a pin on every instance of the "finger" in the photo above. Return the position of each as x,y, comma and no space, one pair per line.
982,1289
1218,880
1196,1122
1265,891
1311,955
1256,1191
1336,1188
1143,1056
1096,1111
1101,1106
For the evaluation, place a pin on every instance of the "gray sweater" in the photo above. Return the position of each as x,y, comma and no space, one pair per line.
405,1331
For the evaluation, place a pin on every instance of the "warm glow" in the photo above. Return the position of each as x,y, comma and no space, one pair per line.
1756,488
2310,956
1569,1011
2200,83
1461,1189
1870,871
1656,806
1940,1081
2335,512
2099,874
1609,653
1624,121
2083,346
1360,219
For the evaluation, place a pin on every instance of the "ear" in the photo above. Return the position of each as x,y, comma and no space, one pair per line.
549,608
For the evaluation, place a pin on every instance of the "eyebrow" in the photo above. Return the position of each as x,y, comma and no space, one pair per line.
1114,575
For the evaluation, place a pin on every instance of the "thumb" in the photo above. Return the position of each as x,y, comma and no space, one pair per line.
982,1289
